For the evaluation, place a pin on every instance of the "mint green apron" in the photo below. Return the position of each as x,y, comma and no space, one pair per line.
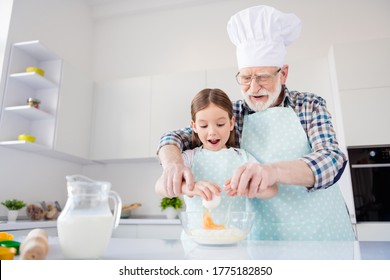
217,167
294,213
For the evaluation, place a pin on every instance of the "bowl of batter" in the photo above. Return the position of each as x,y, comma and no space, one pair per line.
202,228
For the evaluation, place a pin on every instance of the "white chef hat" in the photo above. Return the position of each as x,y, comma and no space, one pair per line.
261,35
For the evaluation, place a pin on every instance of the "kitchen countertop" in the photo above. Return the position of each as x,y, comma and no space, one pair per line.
159,249
144,249
135,220
149,220
26,224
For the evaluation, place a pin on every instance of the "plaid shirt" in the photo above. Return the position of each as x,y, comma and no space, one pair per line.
326,161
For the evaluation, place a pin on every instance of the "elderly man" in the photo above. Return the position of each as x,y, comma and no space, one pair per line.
290,133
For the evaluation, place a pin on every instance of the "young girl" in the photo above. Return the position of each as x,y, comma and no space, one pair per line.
214,157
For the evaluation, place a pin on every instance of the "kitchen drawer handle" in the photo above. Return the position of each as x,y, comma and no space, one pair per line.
371,165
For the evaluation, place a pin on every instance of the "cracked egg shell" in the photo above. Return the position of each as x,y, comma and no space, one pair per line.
213,203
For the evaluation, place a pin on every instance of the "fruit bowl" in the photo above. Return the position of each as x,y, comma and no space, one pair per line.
128,208
234,228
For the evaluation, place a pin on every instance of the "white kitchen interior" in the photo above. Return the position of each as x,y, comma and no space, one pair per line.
130,69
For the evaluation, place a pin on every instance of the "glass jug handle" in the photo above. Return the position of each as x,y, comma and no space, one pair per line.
118,207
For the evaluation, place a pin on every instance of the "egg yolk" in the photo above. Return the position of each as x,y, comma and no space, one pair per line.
208,222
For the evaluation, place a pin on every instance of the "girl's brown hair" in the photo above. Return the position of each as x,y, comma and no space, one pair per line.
202,100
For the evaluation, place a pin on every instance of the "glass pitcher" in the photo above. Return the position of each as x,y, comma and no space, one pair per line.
85,224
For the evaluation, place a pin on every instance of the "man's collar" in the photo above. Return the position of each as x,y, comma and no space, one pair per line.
247,110
287,98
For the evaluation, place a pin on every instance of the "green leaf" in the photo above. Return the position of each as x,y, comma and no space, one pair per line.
174,202
13,204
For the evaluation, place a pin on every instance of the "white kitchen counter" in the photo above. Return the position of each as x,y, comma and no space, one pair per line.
26,224
136,220
159,249
128,248
149,220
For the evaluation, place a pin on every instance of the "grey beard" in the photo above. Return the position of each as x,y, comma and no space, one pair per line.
260,106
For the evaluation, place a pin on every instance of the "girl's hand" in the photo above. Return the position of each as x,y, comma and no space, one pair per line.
204,189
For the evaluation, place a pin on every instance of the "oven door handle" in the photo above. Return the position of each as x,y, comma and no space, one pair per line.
376,165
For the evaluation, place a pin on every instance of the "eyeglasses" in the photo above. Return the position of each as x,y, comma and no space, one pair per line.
264,79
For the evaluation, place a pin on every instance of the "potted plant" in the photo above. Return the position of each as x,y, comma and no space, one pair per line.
13,206
171,206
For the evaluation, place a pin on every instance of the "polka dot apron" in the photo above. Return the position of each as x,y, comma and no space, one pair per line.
294,213
216,167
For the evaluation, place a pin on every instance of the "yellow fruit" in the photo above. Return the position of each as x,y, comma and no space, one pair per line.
26,137
7,253
6,236
37,70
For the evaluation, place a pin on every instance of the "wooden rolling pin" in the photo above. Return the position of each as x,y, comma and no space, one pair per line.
35,246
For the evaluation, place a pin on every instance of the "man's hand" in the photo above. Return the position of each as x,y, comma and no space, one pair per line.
251,179
174,176
175,173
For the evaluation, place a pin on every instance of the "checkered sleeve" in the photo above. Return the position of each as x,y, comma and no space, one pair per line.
238,111
181,138
326,161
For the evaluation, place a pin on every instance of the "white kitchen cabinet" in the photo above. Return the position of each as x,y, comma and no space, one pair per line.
74,118
16,116
366,116
121,128
364,92
159,231
131,114
171,102
125,231
373,231
148,231
349,58
225,80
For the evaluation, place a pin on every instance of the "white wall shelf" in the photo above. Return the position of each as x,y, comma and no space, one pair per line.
33,80
19,118
27,146
29,112
36,49
24,146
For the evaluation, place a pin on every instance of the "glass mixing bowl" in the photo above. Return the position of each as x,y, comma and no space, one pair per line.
237,226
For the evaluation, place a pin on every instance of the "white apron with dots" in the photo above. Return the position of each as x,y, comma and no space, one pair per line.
217,167
294,213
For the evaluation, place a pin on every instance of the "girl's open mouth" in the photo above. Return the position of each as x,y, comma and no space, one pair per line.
214,141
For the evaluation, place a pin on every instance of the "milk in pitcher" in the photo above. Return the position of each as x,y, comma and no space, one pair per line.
85,237
86,223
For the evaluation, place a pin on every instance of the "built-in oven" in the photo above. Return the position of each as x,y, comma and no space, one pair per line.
370,175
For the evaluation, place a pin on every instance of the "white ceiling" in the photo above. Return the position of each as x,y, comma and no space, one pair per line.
107,8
